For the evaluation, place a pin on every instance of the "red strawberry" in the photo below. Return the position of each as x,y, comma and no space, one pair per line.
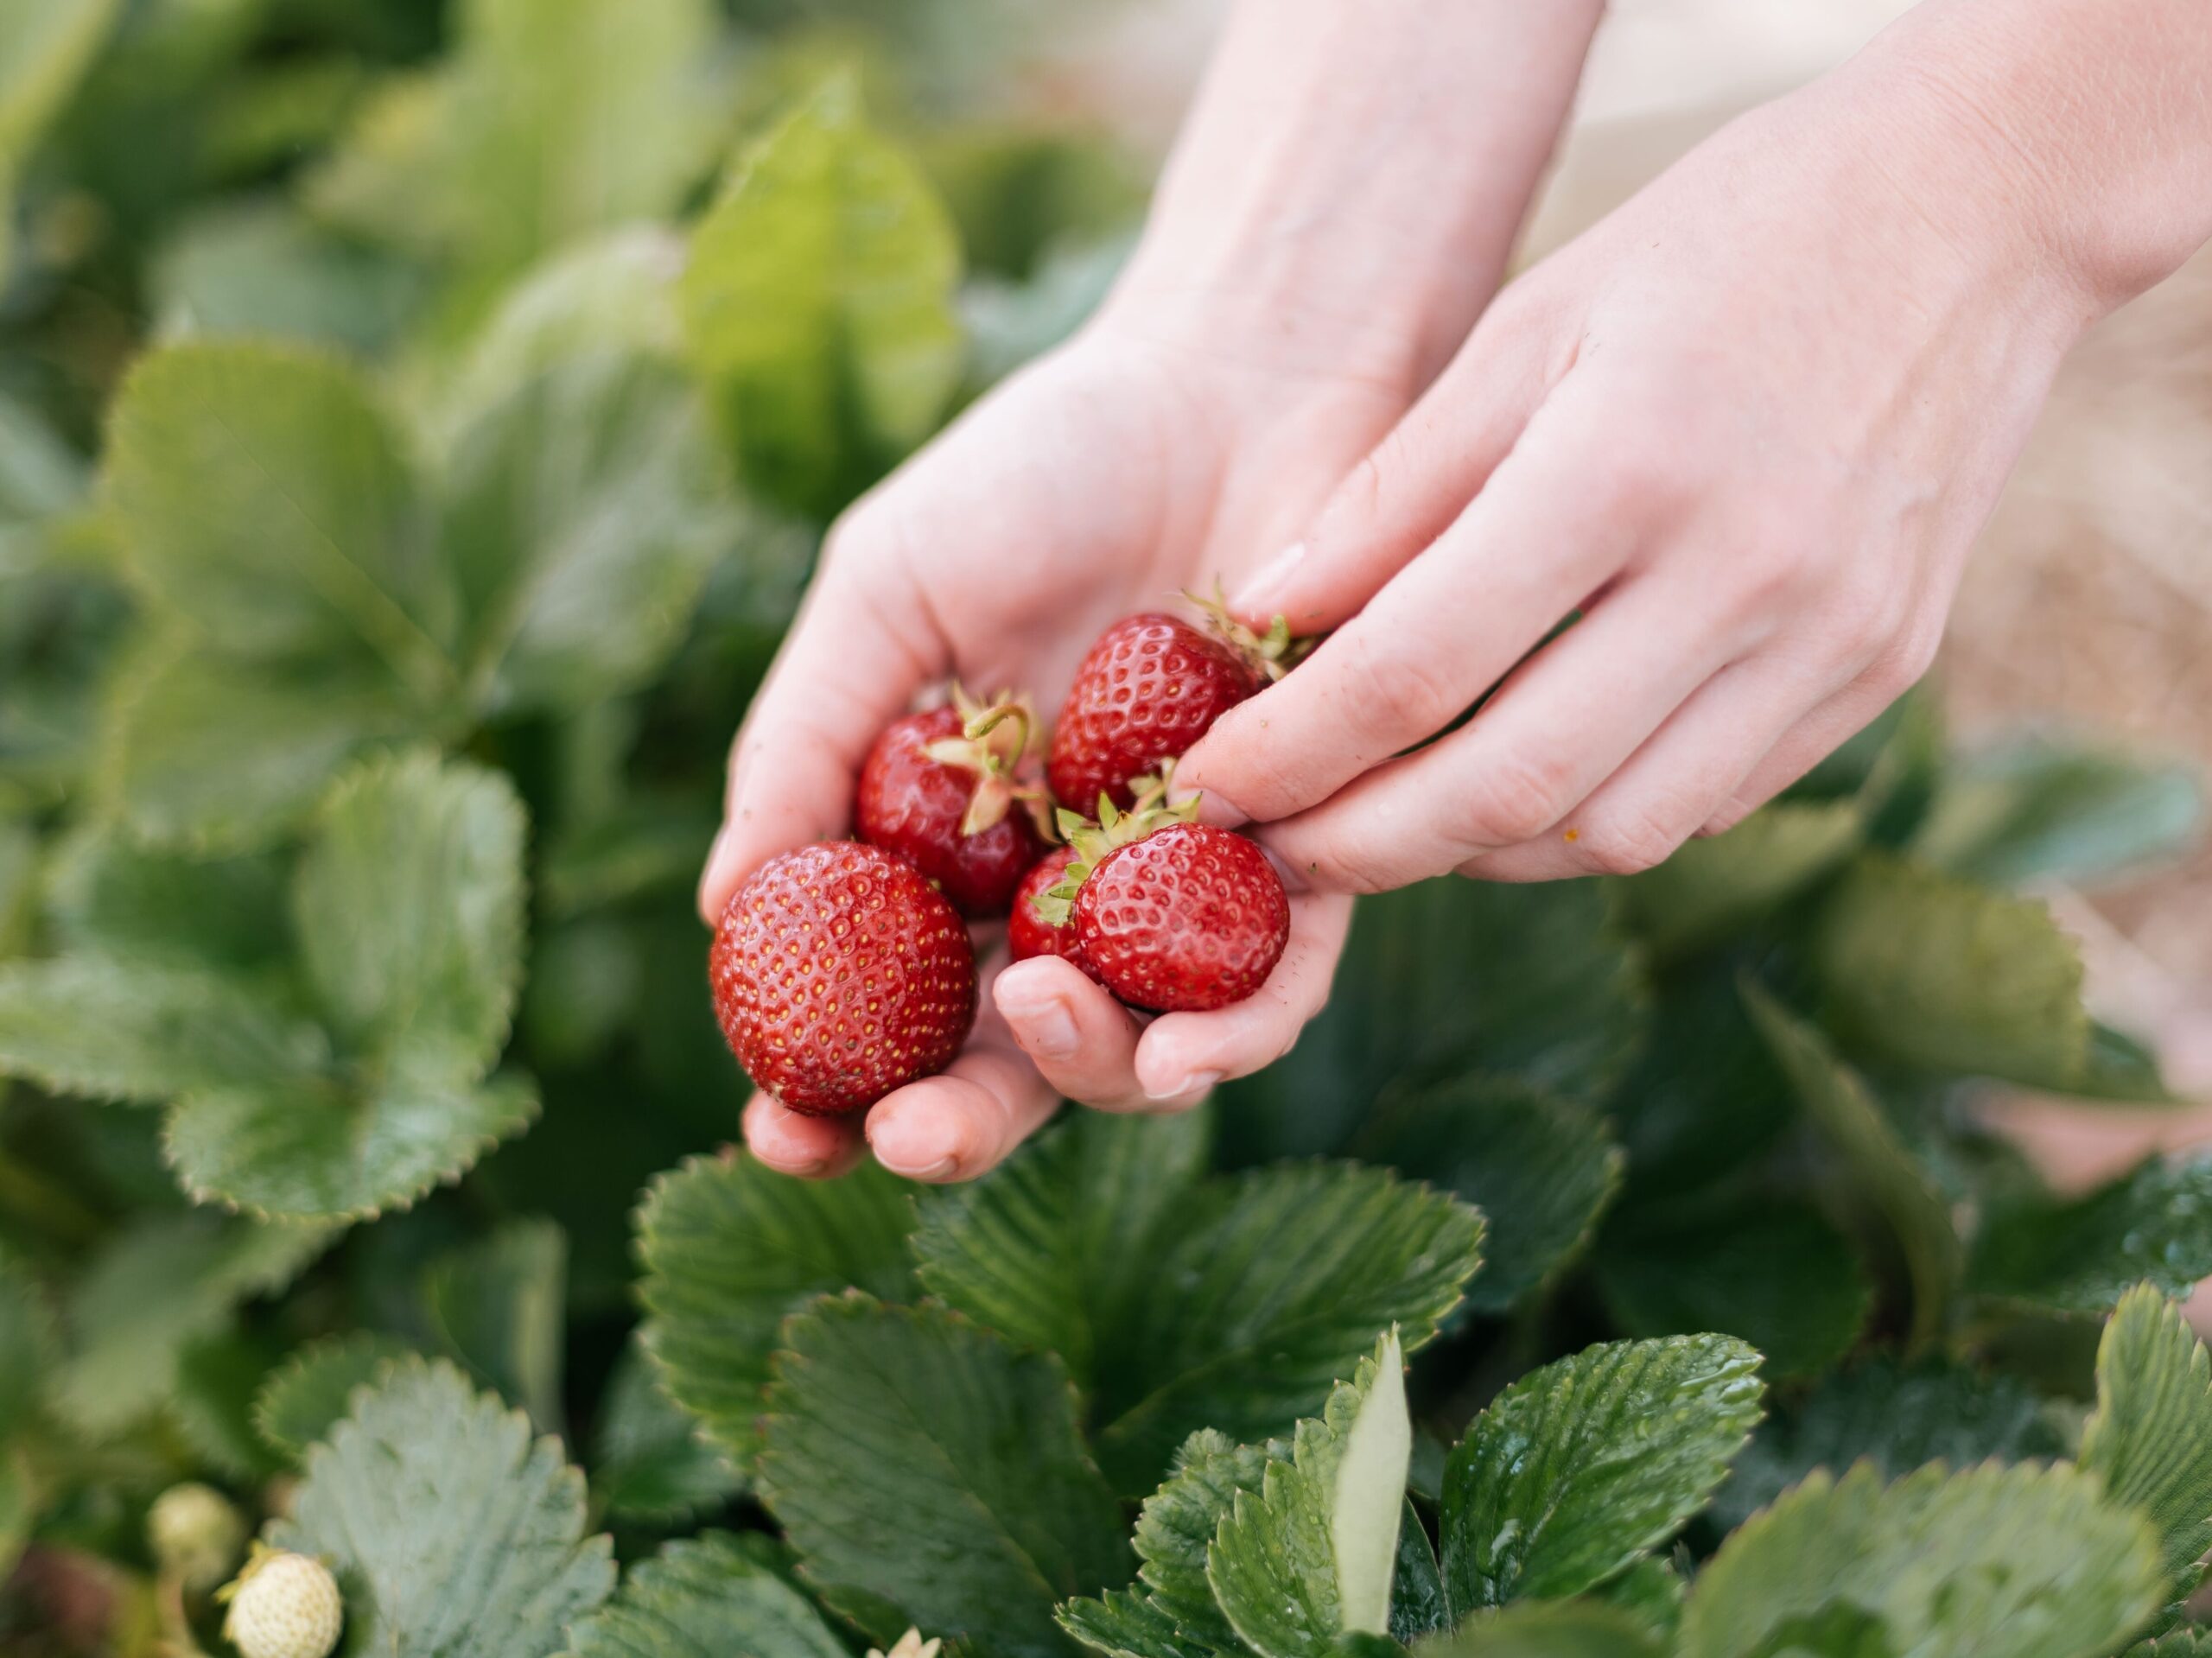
938,790
839,975
1188,918
1030,933
1145,693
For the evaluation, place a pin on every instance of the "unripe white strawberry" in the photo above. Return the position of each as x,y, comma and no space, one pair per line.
195,1535
284,1606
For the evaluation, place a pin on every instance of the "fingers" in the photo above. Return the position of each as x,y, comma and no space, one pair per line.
1812,740
1080,1039
966,1120
810,1147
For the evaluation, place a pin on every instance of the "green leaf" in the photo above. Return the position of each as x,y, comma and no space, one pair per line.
705,1597
210,437
339,1150
450,1530
1773,1272
1704,1097
912,1456
1651,1592
2036,808
2025,1562
1899,1418
313,1390
1711,889
113,1030
1059,1249
217,1379
1272,1287
1539,1168
818,305
163,1282
1579,1467
650,1464
581,515
1547,1630
498,1306
1419,1606
730,1248
26,1348
44,49
1311,1554
2083,1254
2150,1435
1850,1119
263,269
1925,971
108,897
410,911
2182,1643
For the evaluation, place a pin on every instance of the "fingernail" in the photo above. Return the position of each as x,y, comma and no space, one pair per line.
1198,1081
943,1169
1049,1025
1258,592
915,1152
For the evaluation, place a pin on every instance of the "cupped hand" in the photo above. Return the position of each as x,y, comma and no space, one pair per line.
1747,428
1098,483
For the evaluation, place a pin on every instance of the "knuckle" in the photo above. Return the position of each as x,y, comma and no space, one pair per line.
1516,798
1629,842
1408,694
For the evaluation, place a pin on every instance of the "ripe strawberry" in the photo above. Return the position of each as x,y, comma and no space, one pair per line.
1029,933
1146,691
839,975
282,1605
1186,918
938,788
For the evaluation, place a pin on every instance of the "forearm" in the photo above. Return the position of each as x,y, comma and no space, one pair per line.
1353,172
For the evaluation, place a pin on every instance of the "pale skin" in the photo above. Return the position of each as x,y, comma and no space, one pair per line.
1748,426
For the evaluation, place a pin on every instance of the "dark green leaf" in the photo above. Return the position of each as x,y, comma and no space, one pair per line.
26,1348
313,1389
217,1378
497,1304
2150,1435
1561,1630
2083,1254
2038,808
111,897
1418,1603
1704,1096
1715,887
44,51
705,1597
1651,1592
651,1463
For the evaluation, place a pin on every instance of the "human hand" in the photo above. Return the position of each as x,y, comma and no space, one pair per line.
1749,427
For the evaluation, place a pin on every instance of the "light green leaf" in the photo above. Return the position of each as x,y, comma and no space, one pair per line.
263,269
313,1390
26,1348
164,1281
1899,1418
651,1463
1058,1248
2027,1561
208,437
916,1457
818,305
110,898
1712,888
730,1248
2040,808
1771,1271
1848,1116
114,1030
1539,1168
408,907
497,1304
450,1530
1923,970
581,515
1579,1467
1563,1630
44,48
2083,1254
2150,1435
1273,1287
1651,1592
1311,1554
705,1597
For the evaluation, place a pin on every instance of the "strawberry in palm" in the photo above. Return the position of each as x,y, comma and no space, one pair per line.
940,790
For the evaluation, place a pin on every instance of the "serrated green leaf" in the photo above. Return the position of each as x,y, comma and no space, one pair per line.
1541,1169
115,1030
2083,1254
730,1248
649,1463
1579,1467
313,1389
26,1348
1899,1418
2150,1435
581,515
1058,1248
2182,1643
1775,1273
1311,1554
818,305
2039,809
1651,1592
915,1456
1848,1116
164,1281
1923,971
111,897
1272,1287
322,1148
497,1306
450,1530
1703,1097
2026,1561
1562,1630
1712,888
208,436
217,1378
1419,1606
705,1597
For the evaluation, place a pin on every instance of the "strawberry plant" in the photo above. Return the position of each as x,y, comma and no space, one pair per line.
416,424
